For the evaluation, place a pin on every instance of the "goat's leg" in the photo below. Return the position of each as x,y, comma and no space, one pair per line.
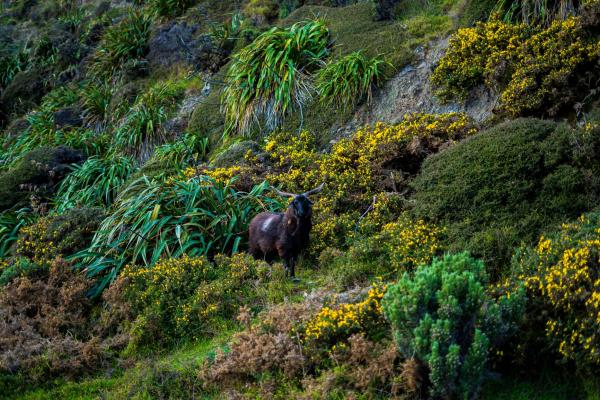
292,265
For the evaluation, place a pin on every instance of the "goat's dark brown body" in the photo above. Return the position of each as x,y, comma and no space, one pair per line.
279,234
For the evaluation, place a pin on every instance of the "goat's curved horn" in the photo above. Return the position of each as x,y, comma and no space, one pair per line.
284,194
315,190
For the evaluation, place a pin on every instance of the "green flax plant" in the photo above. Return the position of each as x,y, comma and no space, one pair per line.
94,183
141,128
10,224
127,40
273,75
345,82
541,12
152,219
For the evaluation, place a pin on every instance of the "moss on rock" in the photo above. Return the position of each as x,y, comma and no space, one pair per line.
37,173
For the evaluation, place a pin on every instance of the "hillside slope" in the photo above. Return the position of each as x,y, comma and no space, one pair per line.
454,247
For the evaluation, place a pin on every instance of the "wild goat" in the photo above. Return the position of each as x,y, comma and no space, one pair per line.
284,234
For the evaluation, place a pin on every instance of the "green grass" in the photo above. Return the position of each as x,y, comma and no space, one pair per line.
151,377
548,386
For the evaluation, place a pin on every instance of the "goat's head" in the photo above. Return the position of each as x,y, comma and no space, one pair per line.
301,204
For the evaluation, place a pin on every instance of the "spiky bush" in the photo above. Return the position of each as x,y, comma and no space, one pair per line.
272,76
141,127
153,219
11,64
94,183
345,82
169,8
10,225
182,152
538,11
122,42
95,101
443,317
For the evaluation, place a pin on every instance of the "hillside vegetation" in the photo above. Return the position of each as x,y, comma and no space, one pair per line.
448,258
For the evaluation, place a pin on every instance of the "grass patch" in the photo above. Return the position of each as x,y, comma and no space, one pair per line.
548,386
158,377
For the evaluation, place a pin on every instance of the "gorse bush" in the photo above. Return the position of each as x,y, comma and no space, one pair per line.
505,186
272,76
333,325
122,42
96,182
399,246
442,316
535,70
56,236
363,165
185,297
347,81
562,275
153,219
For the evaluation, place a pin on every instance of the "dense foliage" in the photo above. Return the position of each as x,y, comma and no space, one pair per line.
271,77
443,317
154,219
536,70
138,139
508,184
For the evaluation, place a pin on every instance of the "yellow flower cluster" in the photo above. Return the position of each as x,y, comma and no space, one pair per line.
410,243
167,275
355,169
567,278
358,164
545,65
532,67
334,324
474,54
3,265
34,243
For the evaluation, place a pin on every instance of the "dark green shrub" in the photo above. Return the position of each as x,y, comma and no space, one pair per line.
24,92
169,8
442,317
384,9
36,174
506,185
